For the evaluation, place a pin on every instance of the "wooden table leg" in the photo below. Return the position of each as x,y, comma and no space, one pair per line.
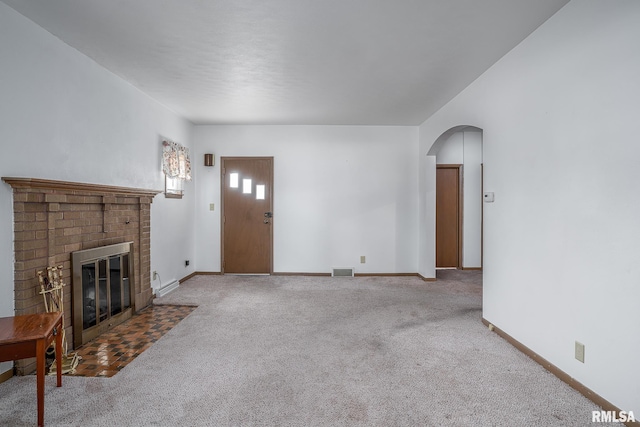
29,336
40,365
59,354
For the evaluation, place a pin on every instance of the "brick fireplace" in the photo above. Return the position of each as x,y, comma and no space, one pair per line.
52,219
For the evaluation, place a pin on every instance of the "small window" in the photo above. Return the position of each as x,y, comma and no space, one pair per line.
176,166
233,180
246,185
173,187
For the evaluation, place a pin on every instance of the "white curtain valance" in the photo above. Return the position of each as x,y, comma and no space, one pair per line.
175,160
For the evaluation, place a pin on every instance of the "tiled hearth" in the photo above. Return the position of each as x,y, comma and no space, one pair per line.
107,354
52,219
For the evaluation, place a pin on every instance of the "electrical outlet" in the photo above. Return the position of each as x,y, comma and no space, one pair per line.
155,275
580,352
363,259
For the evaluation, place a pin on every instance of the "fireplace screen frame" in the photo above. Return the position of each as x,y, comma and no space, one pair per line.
103,318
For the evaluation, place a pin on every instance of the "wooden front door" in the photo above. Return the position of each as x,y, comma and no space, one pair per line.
448,216
247,215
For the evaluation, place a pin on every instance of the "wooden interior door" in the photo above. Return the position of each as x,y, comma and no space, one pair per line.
247,215
448,216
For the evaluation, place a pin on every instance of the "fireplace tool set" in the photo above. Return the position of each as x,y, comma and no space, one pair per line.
51,289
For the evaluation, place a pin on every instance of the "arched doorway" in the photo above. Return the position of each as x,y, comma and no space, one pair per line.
459,170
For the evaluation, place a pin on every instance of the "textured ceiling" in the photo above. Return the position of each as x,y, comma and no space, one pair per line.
355,62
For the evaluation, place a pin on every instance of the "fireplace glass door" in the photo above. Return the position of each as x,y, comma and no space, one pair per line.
102,290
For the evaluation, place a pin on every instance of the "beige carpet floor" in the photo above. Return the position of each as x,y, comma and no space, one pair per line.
316,351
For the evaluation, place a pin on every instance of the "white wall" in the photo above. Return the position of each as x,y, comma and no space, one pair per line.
465,148
472,220
64,117
561,255
340,192
426,213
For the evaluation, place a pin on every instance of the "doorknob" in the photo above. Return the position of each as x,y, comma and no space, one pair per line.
268,214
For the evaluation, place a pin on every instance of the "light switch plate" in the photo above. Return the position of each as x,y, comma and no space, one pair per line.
489,197
212,206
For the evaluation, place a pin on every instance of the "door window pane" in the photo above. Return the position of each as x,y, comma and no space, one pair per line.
233,180
260,192
246,186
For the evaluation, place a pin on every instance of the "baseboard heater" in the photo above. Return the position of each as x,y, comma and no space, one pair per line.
343,272
171,286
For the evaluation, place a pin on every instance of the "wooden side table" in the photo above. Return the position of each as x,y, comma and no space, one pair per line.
28,336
